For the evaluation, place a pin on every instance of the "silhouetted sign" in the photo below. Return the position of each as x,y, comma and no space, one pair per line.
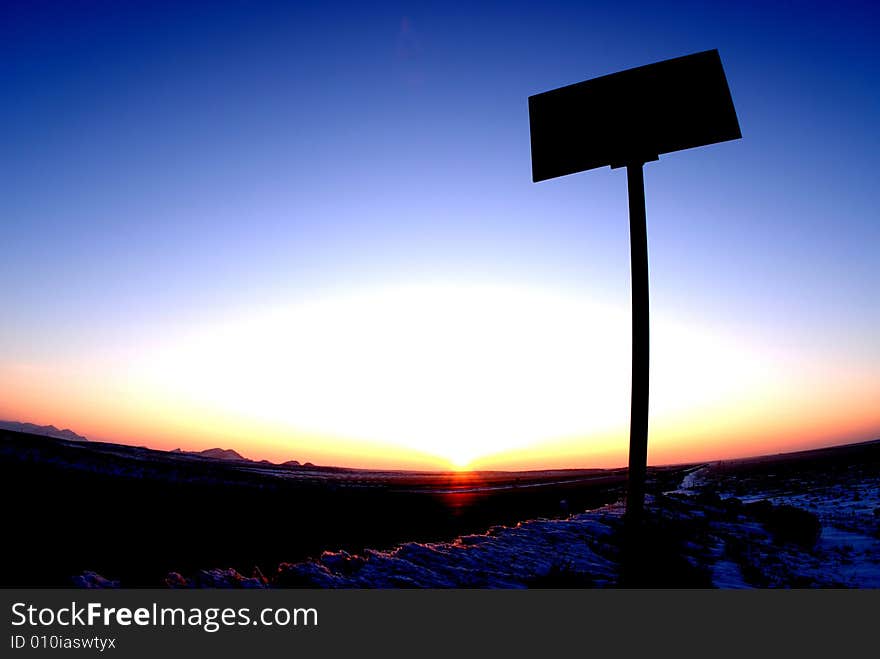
628,119
631,116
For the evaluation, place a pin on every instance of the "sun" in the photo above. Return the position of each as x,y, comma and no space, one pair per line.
460,463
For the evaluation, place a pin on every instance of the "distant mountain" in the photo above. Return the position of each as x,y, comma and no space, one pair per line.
230,454
221,454
47,431
69,435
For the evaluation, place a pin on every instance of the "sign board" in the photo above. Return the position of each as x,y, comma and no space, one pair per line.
631,116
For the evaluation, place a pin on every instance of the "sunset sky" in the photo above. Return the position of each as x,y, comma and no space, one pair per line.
309,232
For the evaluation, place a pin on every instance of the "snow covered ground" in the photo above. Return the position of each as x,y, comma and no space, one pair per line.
847,504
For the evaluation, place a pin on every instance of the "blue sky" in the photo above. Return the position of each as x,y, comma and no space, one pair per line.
166,161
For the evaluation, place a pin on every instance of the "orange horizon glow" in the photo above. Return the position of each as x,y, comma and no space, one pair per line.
610,453
767,436
446,379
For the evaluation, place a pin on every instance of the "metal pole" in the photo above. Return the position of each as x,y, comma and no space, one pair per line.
638,425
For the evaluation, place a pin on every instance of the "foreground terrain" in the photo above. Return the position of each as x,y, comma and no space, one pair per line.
135,514
102,515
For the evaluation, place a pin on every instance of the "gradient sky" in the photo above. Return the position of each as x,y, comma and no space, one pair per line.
309,231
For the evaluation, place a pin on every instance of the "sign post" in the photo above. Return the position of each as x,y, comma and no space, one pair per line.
625,120
638,419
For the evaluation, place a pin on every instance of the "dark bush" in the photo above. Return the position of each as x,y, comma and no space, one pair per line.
787,523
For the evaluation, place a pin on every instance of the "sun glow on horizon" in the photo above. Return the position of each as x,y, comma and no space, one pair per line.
446,377
457,372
